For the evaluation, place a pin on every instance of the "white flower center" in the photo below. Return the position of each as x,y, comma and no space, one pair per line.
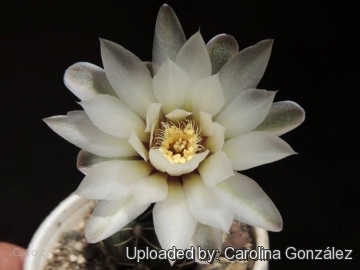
178,143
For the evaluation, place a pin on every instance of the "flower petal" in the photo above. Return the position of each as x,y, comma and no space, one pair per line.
245,70
207,205
110,180
86,80
246,111
86,160
178,115
206,238
135,142
283,117
173,221
149,66
169,37
207,95
161,163
206,124
170,85
255,148
129,77
215,142
215,169
77,128
110,216
194,58
112,116
152,115
153,188
221,48
250,203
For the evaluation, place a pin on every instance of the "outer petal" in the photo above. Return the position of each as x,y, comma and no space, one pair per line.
129,77
221,49
216,169
110,216
135,142
86,160
86,80
77,128
215,142
254,149
206,237
151,189
283,117
112,116
110,180
169,37
207,205
250,203
152,115
161,163
245,70
246,111
173,222
170,85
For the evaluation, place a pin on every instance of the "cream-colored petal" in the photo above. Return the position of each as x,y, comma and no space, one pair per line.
174,224
77,128
245,112
87,160
112,116
250,203
255,148
153,188
149,66
221,49
129,77
177,115
169,37
160,162
207,205
170,85
244,70
215,142
152,115
111,216
215,169
207,95
86,80
282,117
206,124
194,58
110,180
135,142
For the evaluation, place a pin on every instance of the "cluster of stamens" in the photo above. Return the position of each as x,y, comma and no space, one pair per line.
179,143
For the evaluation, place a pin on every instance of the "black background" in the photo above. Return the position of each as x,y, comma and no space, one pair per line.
314,63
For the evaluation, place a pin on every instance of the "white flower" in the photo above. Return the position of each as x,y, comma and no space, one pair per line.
177,139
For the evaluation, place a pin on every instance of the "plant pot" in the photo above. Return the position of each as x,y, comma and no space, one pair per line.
69,213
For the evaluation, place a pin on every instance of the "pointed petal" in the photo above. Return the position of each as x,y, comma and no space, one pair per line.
169,37
221,49
215,169
255,148
246,111
206,124
282,117
153,188
112,116
77,128
160,162
194,58
244,71
87,160
170,85
206,204
215,142
110,180
207,96
111,216
129,77
86,80
250,203
178,115
173,222
206,238
135,142
152,115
